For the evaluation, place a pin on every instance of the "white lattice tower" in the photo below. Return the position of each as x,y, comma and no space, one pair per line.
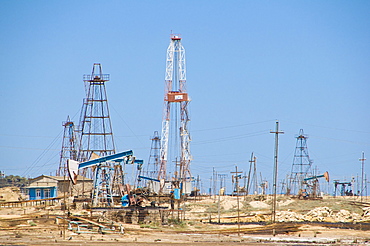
175,97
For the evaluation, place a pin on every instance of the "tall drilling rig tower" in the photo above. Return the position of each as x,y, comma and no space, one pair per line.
69,147
175,115
95,128
153,163
301,168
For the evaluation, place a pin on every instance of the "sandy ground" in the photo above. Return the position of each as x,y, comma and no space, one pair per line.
48,234
39,226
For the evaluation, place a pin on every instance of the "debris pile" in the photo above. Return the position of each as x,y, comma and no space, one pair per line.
259,204
319,214
346,216
8,194
366,214
230,203
284,216
322,214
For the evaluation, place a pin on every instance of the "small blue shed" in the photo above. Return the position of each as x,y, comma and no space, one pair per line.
45,186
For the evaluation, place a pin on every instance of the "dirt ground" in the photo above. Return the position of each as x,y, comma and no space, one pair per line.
335,221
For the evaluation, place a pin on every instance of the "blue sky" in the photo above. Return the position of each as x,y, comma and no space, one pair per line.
249,63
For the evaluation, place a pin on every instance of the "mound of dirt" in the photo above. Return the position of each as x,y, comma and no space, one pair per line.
9,194
259,204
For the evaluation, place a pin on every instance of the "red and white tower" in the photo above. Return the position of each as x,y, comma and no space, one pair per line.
175,115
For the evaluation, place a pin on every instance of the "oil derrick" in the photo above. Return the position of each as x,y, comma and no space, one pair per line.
252,185
69,148
96,136
175,115
95,128
150,173
154,160
301,168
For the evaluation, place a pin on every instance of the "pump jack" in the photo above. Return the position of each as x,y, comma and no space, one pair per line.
103,176
312,184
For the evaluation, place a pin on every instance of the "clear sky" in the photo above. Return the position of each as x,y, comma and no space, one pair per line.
249,63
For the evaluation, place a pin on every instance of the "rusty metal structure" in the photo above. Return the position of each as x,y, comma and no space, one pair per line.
312,186
95,127
175,143
154,157
301,167
69,147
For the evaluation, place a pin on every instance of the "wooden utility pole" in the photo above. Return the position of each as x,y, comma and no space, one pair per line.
236,177
214,184
237,194
275,174
221,177
362,159
249,176
252,181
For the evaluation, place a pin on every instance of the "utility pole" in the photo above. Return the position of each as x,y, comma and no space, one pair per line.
219,199
237,194
221,177
236,177
275,174
365,186
362,159
214,183
197,189
249,176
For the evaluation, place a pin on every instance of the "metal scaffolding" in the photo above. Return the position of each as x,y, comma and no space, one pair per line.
69,147
301,167
175,114
152,169
95,127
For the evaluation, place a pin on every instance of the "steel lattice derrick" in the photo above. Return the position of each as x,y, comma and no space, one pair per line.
153,166
175,94
95,129
185,142
69,147
301,167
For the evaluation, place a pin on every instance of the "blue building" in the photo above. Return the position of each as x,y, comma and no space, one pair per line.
44,187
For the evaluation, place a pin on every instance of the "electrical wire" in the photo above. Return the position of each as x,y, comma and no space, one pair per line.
133,133
234,126
12,147
327,127
240,136
38,159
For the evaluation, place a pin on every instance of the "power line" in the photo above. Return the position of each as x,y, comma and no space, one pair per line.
233,126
